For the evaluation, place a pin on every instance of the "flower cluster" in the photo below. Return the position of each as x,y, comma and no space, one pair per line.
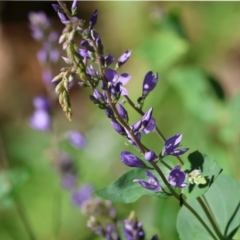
107,90
41,30
41,118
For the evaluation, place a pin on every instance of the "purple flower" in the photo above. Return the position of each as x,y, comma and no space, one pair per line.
155,237
107,60
136,126
98,95
133,229
74,6
54,55
69,180
117,127
150,156
124,57
151,127
82,194
65,163
41,103
39,24
113,78
42,56
40,120
122,112
60,13
47,76
93,19
131,160
76,139
84,53
109,112
152,184
177,177
171,144
147,117
91,71
149,82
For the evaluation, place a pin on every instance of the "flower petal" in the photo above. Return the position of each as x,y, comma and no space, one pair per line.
149,82
148,185
124,78
111,75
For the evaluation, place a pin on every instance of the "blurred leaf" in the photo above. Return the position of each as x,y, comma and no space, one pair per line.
172,21
11,182
163,49
125,190
209,169
193,87
232,126
223,199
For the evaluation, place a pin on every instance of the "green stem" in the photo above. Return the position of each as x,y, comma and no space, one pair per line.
23,217
210,217
159,133
17,202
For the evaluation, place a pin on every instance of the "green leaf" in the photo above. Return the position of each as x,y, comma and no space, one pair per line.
163,49
125,190
223,199
11,182
195,92
209,170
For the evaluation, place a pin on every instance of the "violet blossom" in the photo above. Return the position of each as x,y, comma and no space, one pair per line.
177,177
82,194
149,82
131,160
171,144
76,139
113,78
152,183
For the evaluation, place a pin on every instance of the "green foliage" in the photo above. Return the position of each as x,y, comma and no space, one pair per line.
194,90
11,182
209,170
163,50
223,199
125,190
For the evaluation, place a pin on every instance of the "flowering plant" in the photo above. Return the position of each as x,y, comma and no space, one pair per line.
207,199
198,178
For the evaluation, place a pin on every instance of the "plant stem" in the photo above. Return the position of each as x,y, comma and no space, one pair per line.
23,217
159,133
17,202
210,217
65,9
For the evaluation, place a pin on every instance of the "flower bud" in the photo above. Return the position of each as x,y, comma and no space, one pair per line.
117,127
131,160
122,112
150,156
149,82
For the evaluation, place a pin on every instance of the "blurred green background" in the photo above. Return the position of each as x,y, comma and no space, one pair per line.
195,48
